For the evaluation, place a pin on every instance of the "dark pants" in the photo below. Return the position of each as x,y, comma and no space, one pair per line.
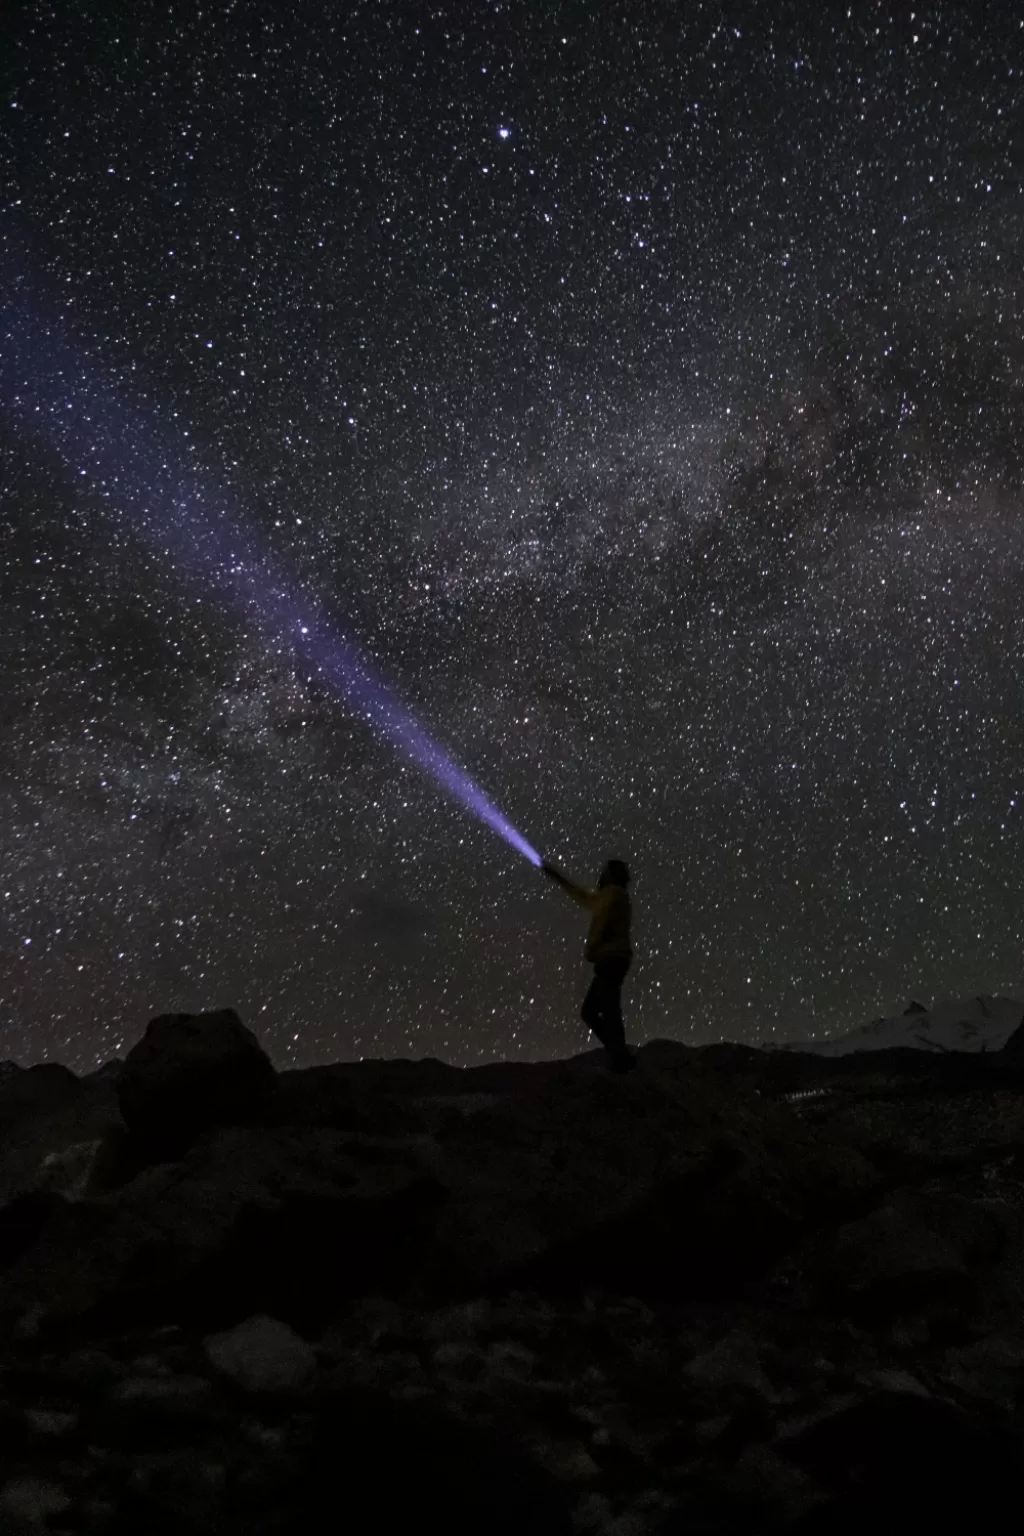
602,1007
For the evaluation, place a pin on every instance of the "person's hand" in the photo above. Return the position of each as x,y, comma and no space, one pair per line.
552,872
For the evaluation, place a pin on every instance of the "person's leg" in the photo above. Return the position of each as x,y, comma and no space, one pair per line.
592,1011
619,1058
614,1030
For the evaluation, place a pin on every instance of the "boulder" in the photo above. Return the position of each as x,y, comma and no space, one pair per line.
190,1073
263,1355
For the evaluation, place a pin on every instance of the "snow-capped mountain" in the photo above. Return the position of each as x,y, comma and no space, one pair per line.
959,1024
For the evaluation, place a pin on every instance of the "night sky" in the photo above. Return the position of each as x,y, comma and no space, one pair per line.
641,387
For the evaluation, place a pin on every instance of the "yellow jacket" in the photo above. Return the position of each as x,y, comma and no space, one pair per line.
611,909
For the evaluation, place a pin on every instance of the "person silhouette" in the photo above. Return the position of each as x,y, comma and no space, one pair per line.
610,952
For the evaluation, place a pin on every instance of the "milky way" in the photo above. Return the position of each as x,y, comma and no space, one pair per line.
642,386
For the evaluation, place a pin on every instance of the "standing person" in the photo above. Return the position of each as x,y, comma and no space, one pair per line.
610,952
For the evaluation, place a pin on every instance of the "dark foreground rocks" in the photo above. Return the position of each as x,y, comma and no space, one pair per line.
385,1295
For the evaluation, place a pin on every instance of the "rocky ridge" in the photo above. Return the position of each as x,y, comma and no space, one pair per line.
735,1291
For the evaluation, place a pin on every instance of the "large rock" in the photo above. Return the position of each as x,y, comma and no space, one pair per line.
263,1355
192,1072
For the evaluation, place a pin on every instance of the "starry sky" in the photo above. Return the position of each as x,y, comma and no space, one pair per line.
641,386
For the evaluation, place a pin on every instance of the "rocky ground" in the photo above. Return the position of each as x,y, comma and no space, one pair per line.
732,1292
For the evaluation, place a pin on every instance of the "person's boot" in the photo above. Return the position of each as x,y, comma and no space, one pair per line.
623,1061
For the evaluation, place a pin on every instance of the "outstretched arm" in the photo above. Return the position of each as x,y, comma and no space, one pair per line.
577,892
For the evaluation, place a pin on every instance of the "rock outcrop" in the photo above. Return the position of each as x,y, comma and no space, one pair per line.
190,1073
723,1293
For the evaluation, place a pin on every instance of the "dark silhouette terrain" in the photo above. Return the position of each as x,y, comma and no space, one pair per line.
733,1291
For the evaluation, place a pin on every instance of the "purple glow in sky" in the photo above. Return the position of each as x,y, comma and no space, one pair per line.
138,462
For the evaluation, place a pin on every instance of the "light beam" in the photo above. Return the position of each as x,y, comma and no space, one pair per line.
139,461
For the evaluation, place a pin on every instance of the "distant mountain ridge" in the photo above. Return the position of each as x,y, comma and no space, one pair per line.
975,1025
